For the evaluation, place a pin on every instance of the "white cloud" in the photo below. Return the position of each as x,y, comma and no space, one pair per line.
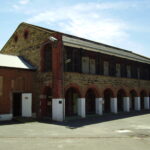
16,7
86,22
105,5
89,20
20,5
24,2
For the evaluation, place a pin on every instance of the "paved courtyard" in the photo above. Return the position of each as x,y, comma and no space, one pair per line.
115,132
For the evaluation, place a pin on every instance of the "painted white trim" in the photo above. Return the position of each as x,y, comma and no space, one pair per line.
146,103
126,104
99,106
137,103
58,107
26,104
81,107
4,117
113,103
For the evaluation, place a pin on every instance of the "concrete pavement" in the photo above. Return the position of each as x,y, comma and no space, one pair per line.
110,132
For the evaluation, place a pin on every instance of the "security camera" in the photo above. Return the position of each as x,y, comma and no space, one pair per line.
53,39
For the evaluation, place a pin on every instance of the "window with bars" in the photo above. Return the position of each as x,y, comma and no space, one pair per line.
88,65
106,68
128,71
134,71
123,70
72,59
138,73
79,60
85,64
118,70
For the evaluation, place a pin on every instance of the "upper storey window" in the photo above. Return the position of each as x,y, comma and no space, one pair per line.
72,59
123,70
88,65
92,66
133,71
78,60
106,68
118,70
85,64
128,71
68,59
83,61
46,58
112,68
138,73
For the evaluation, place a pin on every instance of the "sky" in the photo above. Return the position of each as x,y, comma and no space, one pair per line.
120,23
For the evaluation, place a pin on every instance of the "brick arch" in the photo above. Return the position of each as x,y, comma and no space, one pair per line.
74,86
42,52
111,90
133,91
143,91
94,88
125,92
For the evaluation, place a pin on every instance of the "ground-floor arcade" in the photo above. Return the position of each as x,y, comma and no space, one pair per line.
93,102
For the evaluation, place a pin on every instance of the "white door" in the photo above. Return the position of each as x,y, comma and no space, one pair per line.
26,105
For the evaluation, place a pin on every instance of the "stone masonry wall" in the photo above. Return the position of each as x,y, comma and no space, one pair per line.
100,83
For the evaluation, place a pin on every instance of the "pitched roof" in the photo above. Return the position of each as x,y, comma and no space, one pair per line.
68,41
74,41
11,61
86,44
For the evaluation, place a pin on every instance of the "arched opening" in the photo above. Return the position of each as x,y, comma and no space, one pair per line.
16,38
90,102
108,94
121,93
142,95
46,58
133,94
26,34
46,102
71,102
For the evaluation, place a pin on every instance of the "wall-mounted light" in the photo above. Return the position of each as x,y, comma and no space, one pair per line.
53,40
67,61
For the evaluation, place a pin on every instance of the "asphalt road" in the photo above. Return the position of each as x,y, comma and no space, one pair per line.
108,132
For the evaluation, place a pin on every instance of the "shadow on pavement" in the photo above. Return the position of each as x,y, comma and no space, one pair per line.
75,122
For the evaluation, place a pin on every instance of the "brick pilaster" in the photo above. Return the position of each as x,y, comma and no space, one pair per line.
57,67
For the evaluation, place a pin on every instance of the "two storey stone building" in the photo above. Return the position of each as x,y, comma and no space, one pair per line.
78,77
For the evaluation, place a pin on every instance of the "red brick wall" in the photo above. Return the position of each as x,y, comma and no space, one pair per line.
57,68
14,80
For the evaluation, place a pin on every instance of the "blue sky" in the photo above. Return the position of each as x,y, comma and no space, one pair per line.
121,23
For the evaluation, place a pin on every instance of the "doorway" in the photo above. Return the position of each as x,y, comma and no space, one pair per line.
90,102
17,105
108,94
71,105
